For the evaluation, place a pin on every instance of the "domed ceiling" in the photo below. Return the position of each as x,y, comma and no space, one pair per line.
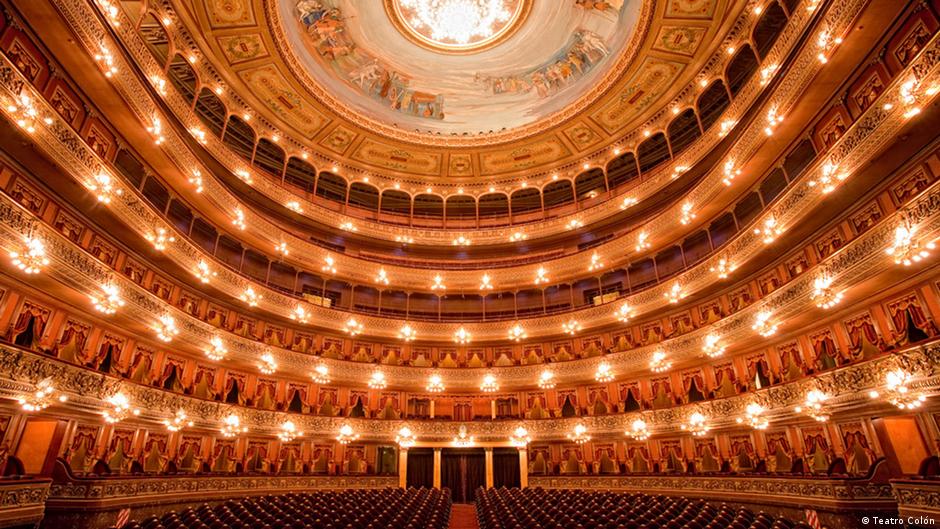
457,66
461,89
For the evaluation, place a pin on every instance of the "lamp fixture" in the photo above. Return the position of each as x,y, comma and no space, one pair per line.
579,434
239,220
829,179
26,114
573,224
639,430
321,374
32,259
329,264
353,327
461,240
815,405
596,263
109,301
730,172
823,294
231,426
250,297
377,380
642,241
294,206
603,373
485,283
659,363
156,130
625,313
541,276
518,236
120,408
489,384
300,314
763,324
687,214
407,333
435,384
288,432
166,328
723,268
104,189
769,231
697,424
41,397
713,347
267,365
675,293
216,350
438,283
195,180
547,379
462,336
282,249
905,249
628,202
463,439
773,120
517,333
160,238
520,437
897,392
177,422
571,327
348,226
203,272
754,417
346,435
382,277
405,438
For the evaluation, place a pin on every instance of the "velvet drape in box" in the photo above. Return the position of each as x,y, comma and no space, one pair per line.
463,471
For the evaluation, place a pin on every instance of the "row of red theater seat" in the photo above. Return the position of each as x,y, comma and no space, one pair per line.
348,509
537,508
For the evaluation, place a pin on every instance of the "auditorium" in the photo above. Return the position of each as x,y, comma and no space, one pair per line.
469,264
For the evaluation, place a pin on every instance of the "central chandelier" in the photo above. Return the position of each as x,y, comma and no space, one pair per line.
815,405
463,439
659,363
109,301
346,435
407,333
435,384
41,397
517,333
353,327
603,373
120,408
520,437
405,438
639,431
33,258
288,432
547,380
897,392
457,21
754,417
624,313
178,422
579,435
462,336
823,294
907,250
571,327
489,384
712,346
697,424
377,380
321,374
232,426
267,365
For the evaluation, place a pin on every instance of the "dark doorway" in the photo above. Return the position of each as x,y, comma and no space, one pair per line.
420,467
462,471
506,467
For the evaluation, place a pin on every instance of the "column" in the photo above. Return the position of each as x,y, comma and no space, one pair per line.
488,458
437,468
523,468
403,468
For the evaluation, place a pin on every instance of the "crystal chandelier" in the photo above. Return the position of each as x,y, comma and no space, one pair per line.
353,327
461,241
282,249
517,333
624,313
571,327
203,272
288,432
520,437
457,21
166,329
407,333
382,277
541,276
485,283
33,258
463,439
897,392
906,250
405,438
267,365
329,264
596,263
675,293
346,435
830,178
41,397
642,241
435,384
639,431
769,231
120,408
815,405
462,336
722,269
603,373
438,283
178,422
160,238
823,294
547,380
489,384
712,346
300,315
579,435
109,301
27,115
104,189
696,425
659,363
377,380
763,324
250,297
687,214
754,417
231,426
321,374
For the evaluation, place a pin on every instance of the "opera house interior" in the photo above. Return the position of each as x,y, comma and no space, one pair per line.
472,264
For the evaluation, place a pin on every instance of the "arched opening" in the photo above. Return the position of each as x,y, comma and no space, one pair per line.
652,152
768,28
429,206
331,187
740,69
558,193
396,202
525,200
712,103
156,38
494,205
300,174
183,77
239,137
364,196
748,208
773,185
590,184
621,170
799,159
211,111
461,207
269,157
683,131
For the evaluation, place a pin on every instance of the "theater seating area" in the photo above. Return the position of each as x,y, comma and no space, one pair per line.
350,509
576,509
